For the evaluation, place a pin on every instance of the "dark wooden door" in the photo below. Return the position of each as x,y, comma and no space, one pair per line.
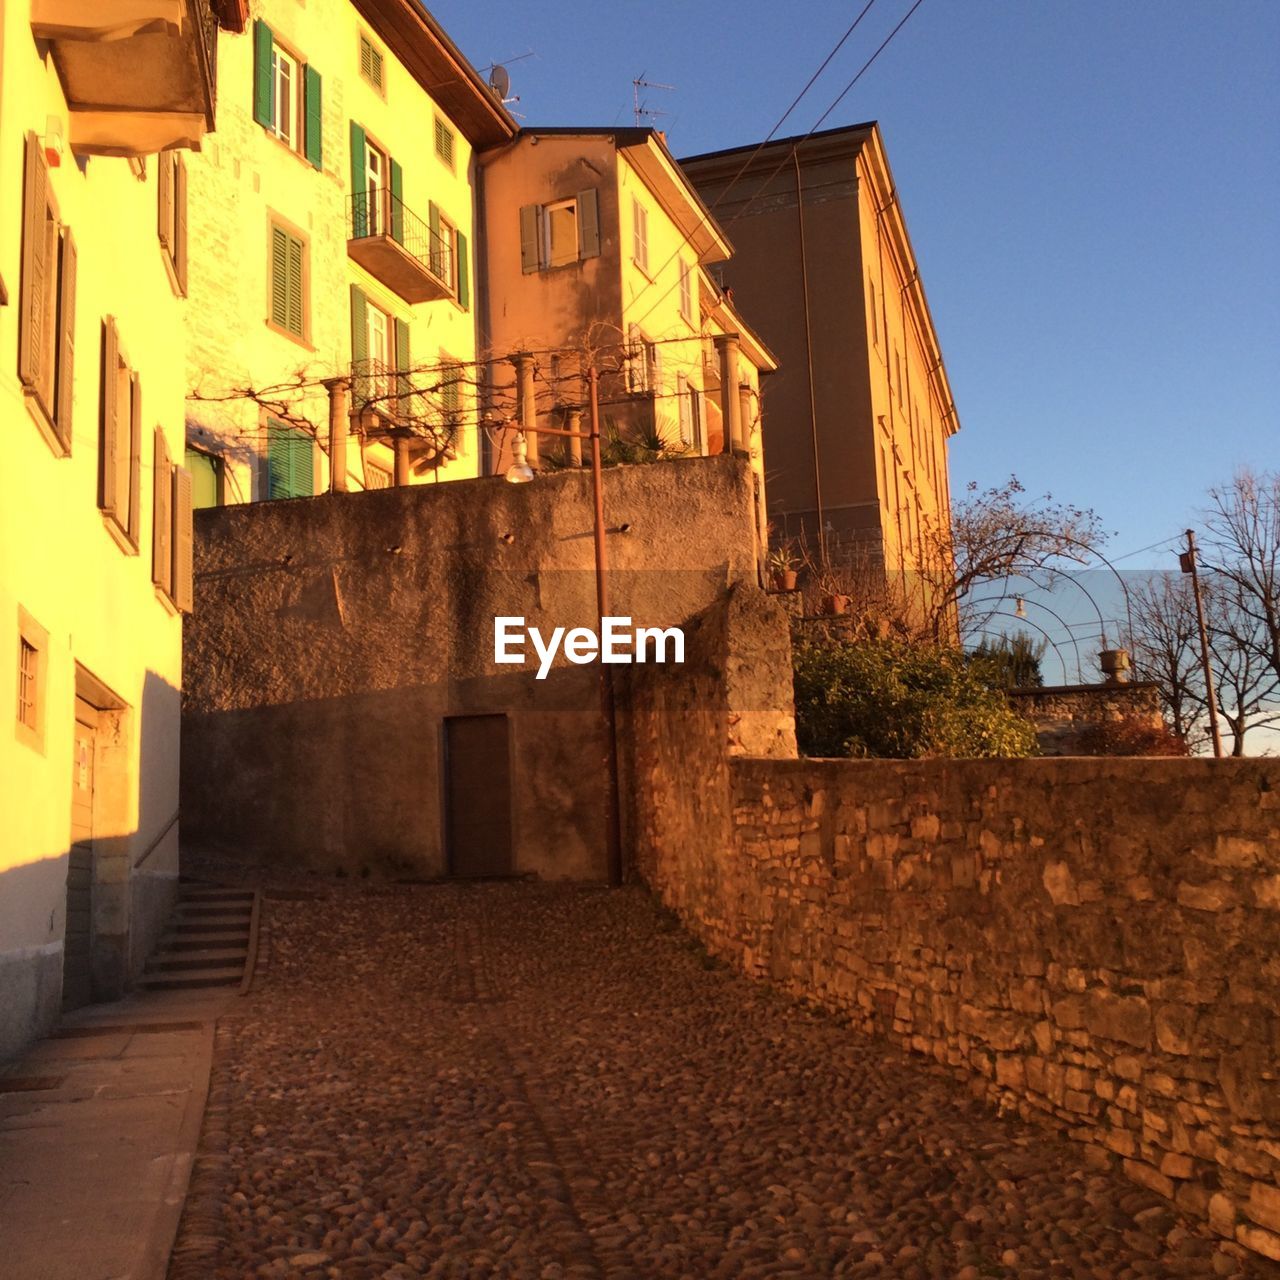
76,989
477,785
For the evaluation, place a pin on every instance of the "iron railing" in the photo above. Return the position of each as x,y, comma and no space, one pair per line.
378,212
391,394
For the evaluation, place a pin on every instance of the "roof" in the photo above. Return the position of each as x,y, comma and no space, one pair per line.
819,137
420,43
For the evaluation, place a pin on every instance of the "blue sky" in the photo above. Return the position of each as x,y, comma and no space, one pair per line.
1092,189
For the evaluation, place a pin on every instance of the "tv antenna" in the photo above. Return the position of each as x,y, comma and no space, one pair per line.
639,106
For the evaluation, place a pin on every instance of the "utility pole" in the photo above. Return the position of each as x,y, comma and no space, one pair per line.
1187,560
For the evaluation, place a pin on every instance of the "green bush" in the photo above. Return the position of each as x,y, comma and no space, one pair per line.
891,699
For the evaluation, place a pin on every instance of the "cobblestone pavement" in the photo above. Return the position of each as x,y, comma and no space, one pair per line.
529,1081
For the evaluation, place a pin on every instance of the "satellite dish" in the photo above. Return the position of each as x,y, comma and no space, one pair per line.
500,82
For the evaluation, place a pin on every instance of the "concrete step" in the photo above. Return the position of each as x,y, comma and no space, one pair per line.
167,962
190,981
215,897
188,911
193,928
175,943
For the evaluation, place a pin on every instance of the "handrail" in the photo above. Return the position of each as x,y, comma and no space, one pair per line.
379,212
155,844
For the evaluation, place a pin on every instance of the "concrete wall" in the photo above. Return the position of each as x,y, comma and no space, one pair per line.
1089,942
107,625
332,635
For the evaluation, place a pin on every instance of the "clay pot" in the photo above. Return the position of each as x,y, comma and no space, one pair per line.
835,604
784,580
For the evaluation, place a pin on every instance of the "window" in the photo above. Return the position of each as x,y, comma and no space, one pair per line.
444,144
690,403
208,479
172,222
377,186
47,304
371,65
686,291
559,233
380,345
640,235
644,367
171,533
120,441
380,357
561,224
33,656
286,95
444,238
288,283
375,189
290,462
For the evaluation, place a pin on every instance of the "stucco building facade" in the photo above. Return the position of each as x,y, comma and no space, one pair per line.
335,216
861,412
95,527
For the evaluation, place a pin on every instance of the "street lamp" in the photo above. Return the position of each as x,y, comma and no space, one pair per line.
520,472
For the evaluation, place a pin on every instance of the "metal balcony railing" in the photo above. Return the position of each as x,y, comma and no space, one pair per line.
391,394
376,217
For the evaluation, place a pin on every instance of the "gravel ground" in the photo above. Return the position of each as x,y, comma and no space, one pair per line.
530,1081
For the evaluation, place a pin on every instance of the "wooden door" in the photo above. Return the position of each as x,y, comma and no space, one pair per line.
477,766
76,990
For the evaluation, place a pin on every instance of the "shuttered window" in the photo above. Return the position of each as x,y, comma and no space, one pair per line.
640,235
206,478
171,553
286,95
47,303
444,144
371,65
686,291
559,233
162,517
290,462
119,439
183,538
288,285
172,217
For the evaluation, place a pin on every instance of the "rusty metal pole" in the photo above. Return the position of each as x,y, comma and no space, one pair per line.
339,428
608,710
1188,560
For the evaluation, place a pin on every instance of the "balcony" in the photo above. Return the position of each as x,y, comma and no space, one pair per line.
396,247
139,75
386,407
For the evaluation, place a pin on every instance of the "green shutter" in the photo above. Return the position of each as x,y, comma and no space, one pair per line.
464,273
290,462
439,251
279,277
403,362
296,321
359,196
397,201
359,348
263,84
302,469
314,130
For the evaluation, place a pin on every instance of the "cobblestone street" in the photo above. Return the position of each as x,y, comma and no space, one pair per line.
529,1081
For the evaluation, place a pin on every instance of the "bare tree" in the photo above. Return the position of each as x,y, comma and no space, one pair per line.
1166,650
1245,685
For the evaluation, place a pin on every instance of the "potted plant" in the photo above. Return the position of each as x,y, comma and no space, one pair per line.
782,566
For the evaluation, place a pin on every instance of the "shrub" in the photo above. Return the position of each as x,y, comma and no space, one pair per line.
1131,736
888,698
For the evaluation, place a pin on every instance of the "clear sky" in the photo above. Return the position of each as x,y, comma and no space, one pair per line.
1092,188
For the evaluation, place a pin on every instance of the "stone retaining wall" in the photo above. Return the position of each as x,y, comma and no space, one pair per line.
1093,941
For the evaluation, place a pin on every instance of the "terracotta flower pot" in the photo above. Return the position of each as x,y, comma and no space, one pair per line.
835,604
784,580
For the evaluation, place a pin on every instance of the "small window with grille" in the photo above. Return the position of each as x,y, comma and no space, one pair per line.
33,648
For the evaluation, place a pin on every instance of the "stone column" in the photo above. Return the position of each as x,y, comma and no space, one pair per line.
527,405
339,429
730,401
573,422
402,460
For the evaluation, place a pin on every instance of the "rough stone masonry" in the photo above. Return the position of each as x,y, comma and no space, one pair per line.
1090,941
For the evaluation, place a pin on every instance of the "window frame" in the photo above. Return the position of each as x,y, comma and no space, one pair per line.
548,222
218,465
171,198
379,86
640,235
303,336
295,140
686,291
34,638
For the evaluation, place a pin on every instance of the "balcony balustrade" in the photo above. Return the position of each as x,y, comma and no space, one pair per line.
395,246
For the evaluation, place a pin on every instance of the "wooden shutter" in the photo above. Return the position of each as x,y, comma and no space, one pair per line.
296,317
530,238
180,223
33,338
164,201
277,461
313,132
182,572
439,250
397,201
162,518
110,425
359,190
133,525
588,224
302,465
264,88
404,362
65,393
464,272
359,348
279,276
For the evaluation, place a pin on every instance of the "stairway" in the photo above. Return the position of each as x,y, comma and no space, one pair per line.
209,940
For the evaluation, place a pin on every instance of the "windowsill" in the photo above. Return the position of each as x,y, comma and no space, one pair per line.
296,152
44,423
119,534
642,269
169,607
33,738
287,333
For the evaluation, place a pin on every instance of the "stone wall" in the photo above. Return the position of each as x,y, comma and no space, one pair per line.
1062,714
1089,941
333,635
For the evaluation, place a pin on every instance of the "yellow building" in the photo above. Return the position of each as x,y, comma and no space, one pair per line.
334,213
861,413
95,532
596,250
